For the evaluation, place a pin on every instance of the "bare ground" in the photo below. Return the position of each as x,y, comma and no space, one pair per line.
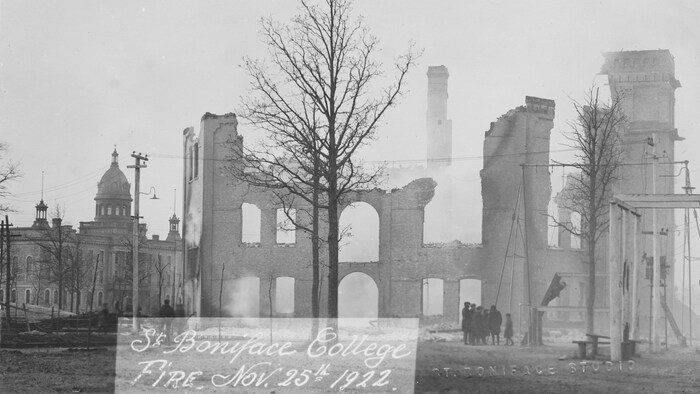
536,370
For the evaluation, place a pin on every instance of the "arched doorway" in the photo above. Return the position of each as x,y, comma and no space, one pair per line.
358,296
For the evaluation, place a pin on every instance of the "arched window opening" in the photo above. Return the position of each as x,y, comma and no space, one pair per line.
99,299
433,294
284,295
196,160
109,210
30,268
55,297
250,222
286,231
359,223
13,296
47,297
190,168
27,297
358,296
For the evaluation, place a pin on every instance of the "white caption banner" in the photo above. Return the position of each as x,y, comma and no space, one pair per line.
265,355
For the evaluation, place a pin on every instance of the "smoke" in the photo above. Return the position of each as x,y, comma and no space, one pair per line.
449,216
241,297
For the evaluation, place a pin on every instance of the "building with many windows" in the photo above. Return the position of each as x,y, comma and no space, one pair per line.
93,263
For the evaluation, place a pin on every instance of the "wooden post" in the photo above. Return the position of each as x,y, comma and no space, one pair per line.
623,260
634,325
614,283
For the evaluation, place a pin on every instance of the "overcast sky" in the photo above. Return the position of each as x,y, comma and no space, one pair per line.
78,77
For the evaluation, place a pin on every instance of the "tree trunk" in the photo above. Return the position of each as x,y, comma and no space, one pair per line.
332,245
591,240
590,299
315,256
315,263
333,257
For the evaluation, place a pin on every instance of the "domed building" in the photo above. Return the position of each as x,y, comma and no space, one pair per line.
100,251
113,199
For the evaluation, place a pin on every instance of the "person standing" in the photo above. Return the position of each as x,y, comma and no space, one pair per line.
473,326
466,322
478,321
102,319
495,321
485,327
166,314
508,333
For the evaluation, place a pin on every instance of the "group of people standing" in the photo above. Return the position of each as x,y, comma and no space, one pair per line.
479,323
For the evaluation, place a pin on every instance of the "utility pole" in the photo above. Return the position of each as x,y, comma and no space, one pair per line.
656,276
6,236
135,241
688,190
8,281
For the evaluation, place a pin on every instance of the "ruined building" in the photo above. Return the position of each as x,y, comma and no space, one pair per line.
234,269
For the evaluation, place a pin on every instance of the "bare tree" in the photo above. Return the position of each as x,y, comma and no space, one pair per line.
160,270
122,282
596,136
8,172
315,102
78,277
39,275
95,271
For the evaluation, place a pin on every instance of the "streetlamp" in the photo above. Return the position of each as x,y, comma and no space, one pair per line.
153,190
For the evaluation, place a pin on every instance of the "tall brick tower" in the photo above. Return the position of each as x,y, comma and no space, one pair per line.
438,128
646,79
521,136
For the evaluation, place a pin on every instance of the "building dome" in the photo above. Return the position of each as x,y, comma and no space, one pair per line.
113,199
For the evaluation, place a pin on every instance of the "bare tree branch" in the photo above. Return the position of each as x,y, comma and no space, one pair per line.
596,136
315,102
